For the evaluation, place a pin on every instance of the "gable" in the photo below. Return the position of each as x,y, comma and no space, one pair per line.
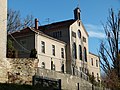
79,25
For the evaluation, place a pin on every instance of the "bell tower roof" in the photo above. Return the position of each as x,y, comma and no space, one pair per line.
77,13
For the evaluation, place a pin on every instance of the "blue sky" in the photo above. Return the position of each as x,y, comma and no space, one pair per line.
93,14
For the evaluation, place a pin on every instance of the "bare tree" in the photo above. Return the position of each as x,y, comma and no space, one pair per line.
14,21
109,49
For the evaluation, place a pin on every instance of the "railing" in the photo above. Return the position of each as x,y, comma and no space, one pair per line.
82,75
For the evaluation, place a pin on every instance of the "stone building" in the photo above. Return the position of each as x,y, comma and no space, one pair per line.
94,67
74,34
50,51
61,46
3,25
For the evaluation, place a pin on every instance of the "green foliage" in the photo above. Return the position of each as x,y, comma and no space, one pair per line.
33,53
92,79
11,52
10,44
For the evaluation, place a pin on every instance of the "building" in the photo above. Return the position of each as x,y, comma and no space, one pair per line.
3,30
74,34
65,43
50,51
94,67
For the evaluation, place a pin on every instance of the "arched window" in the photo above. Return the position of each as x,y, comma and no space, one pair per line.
43,65
96,63
92,61
74,51
80,52
79,33
85,54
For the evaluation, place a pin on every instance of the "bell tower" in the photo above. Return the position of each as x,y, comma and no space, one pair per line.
77,13
3,28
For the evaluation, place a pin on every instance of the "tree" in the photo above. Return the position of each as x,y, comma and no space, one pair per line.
109,49
14,21
33,53
11,52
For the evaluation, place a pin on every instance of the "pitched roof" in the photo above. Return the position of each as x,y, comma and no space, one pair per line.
29,29
21,32
93,54
65,23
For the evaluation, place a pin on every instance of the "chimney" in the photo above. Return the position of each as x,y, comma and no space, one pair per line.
36,23
77,13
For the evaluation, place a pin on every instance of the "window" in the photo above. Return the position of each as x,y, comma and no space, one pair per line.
53,50
79,33
62,68
84,39
62,52
73,70
51,65
85,54
79,23
80,52
43,65
96,63
74,34
42,46
57,34
97,76
74,51
93,74
92,61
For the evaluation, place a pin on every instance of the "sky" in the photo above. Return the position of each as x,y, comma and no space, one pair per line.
94,13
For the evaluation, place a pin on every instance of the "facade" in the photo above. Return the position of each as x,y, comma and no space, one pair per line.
3,30
61,46
94,67
74,34
50,51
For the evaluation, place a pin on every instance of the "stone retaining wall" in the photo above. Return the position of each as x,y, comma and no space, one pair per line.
69,82
21,71
18,70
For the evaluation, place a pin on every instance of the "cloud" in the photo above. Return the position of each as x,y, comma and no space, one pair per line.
95,31
99,35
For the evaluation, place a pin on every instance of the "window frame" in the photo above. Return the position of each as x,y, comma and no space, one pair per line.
79,33
96,63
80,52
62,52
42,46
43,65
85,54
74,50
92,62
53,50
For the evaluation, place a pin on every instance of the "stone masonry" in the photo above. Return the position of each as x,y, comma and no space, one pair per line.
3,26
17,70
21,71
